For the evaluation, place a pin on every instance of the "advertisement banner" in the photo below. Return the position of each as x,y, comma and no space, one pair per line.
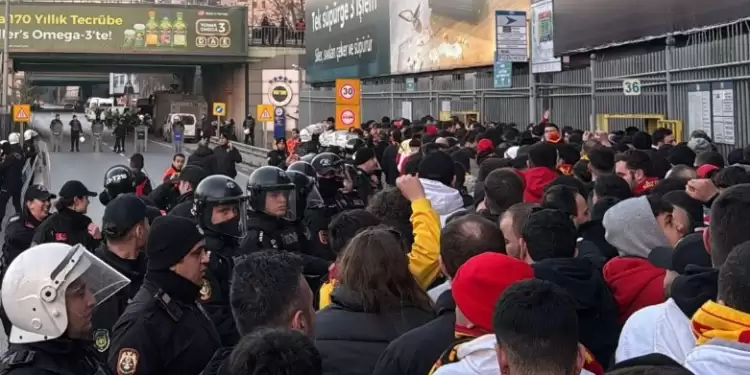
583,25
370,38
543,58
126,29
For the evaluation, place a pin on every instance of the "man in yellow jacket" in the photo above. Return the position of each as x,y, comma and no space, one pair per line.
425,252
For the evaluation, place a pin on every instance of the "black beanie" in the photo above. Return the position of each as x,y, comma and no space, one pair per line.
170,239
437,166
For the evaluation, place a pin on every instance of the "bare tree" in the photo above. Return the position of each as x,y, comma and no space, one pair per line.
288,10
23,91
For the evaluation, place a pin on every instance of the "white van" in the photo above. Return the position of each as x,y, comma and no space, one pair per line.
92,104
188,120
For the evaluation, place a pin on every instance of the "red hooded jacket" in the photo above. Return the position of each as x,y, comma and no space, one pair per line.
635,283
536,179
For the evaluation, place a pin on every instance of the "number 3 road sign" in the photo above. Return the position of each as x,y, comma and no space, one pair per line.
220,109
347,91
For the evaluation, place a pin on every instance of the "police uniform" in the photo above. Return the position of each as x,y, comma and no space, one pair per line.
59,356
68,226
120,216
164,330
97,128
56,127
317,219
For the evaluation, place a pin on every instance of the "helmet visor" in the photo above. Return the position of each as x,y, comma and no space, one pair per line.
227,217
281,203
314,199
87,278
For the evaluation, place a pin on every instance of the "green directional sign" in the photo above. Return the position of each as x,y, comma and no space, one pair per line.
126,28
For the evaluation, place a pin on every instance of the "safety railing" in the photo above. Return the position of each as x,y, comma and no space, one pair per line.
276,36
252,156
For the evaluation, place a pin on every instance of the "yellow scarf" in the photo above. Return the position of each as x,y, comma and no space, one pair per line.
715,321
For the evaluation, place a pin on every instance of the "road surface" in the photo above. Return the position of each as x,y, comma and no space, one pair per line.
89,167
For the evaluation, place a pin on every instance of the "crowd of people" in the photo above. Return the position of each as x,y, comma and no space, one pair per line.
424,247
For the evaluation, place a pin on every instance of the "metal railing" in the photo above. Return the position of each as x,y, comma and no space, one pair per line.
275,36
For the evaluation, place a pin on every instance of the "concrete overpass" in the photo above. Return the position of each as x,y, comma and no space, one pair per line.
67,79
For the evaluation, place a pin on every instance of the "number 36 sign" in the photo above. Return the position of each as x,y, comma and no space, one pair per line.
631,87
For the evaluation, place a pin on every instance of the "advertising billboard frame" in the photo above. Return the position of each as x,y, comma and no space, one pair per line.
127,29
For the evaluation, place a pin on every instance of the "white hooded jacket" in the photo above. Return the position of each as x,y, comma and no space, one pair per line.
719,357
445,200
661,328
477,357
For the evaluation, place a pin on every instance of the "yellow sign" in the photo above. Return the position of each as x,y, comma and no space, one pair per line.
348,92
220,109
674,125
264,112
347,116
21,112
444,116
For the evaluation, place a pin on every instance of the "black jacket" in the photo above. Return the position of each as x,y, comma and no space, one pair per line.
595,306
19,232
106,314
416,351
350,340
165,196
215,291
75,126
183,207
226,160
203,157
389,165
142,184
697,286
59,356
593,231
11,172
276,158
66,226
165,328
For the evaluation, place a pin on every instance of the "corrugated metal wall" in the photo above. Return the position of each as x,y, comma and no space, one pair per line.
716,55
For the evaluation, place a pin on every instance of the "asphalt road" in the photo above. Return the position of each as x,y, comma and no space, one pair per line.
89,166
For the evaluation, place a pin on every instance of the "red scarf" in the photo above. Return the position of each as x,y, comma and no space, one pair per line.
644,187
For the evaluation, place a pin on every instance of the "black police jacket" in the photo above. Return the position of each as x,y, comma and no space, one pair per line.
183,206
19,232
106,314
66,226
165,196
161,332
265,232
11,170
30,151
59,356
214,294
226,160
317,219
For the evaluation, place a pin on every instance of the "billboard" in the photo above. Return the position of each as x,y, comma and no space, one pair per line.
369,38
582,25
126,29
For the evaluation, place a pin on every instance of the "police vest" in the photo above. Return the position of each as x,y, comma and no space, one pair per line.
21,357
284,239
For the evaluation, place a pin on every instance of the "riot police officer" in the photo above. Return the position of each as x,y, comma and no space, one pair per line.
272,220
39,284
97,128
70,224
164,330
29,145
56,127
331,181
118,179
219,207
125,226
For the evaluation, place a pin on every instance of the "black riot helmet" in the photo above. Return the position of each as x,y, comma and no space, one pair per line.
271,191
118,180
303,167
308,158
307,191
219,206
354,144
327,164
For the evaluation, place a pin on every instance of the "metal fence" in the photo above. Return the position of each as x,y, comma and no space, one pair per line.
275,36
574,97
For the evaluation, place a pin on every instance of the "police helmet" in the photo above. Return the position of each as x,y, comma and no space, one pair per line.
303,167
327,163
308,158
14,138
354,144
305,135
271,190
219,206
307,191
29,134
118,179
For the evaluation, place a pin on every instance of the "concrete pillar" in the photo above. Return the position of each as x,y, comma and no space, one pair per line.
87,91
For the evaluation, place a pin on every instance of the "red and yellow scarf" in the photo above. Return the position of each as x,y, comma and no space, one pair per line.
716,321
464,335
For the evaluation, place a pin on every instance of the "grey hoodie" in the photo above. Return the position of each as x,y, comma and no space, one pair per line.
632,228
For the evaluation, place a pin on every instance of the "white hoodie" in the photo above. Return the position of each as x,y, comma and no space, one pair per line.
661,328
719,357
445,200
477,357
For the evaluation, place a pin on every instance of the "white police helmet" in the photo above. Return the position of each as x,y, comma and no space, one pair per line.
29,134
14,138
82,139
305,136
40,281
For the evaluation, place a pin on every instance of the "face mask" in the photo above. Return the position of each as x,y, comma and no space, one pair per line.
230,227
329,186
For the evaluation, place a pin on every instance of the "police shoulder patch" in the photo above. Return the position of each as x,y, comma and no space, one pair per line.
127,361
205,290
101,340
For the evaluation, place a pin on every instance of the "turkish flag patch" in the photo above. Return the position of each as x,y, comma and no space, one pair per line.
61,236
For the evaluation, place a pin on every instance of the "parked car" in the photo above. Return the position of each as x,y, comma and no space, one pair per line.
188,120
